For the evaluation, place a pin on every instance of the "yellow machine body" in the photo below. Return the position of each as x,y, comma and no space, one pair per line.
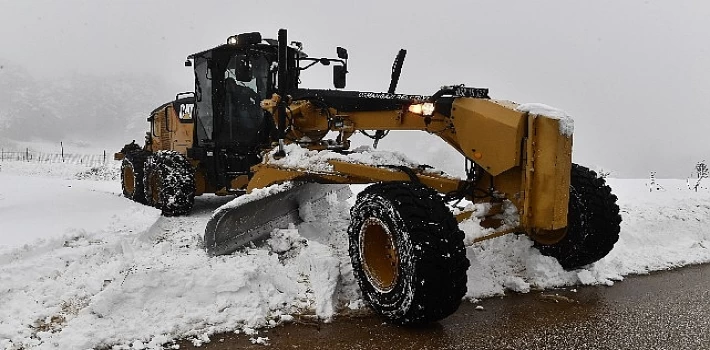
527,157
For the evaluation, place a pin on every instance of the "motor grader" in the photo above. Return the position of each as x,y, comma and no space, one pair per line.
240,129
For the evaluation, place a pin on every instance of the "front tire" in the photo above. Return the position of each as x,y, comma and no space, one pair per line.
169,183
593,222
407,253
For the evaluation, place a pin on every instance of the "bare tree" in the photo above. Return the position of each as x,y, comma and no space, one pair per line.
702,171
653,185
602,172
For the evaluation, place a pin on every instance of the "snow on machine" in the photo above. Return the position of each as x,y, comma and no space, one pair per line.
249,126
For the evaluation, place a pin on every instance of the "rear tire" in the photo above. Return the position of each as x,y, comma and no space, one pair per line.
169,183
407,253
132,175
593,222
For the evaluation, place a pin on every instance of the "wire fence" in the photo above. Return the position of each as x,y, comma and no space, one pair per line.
43,157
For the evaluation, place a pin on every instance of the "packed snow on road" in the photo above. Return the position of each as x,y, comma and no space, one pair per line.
82,267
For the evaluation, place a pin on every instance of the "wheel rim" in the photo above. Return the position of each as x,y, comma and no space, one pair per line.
380,260
129,180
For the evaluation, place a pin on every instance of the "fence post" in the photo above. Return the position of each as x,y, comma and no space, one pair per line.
61,144
27,154
104,156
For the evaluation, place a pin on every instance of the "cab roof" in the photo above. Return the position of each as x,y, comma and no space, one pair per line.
225,47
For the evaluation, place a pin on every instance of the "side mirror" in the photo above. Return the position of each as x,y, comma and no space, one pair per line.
342,53
339,73
243,71
188,63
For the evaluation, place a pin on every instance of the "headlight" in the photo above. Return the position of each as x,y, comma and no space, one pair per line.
426,108
244,39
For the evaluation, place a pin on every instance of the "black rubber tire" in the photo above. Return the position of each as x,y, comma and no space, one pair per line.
431,274
169,182
132,168
593,222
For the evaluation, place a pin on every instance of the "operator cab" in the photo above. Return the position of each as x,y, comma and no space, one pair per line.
231,80
231,128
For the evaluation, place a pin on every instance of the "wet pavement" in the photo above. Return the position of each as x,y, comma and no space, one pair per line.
663,310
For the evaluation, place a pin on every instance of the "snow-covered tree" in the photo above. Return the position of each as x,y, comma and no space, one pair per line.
603,173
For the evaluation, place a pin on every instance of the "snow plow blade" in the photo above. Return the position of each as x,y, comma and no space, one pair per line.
233,227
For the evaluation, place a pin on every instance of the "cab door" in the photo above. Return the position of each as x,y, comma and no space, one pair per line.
181,124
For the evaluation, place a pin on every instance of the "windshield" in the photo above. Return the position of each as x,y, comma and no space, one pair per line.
244,84
219,94
259,70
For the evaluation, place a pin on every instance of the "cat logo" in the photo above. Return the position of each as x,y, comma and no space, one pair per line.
186,111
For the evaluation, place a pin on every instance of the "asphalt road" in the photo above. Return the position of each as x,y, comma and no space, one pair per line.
664,310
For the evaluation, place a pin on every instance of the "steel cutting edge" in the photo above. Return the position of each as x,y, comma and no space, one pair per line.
232,228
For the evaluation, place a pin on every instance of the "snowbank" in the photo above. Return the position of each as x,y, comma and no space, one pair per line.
109,171
138,280
33,207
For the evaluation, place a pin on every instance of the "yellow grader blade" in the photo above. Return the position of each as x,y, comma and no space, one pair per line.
235,225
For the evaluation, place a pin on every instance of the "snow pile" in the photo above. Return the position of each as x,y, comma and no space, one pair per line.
33,207
137,280
671,227
256,194
566,122
108,171
148,281
101,173
660,230
298,157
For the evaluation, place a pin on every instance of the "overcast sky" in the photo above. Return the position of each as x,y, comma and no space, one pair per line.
634,74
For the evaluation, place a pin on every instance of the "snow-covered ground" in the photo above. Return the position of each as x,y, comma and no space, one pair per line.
81,267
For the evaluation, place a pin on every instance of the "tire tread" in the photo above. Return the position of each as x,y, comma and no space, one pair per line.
593,221
176,191
441,263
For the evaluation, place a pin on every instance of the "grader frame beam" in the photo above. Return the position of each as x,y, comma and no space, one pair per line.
526,157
